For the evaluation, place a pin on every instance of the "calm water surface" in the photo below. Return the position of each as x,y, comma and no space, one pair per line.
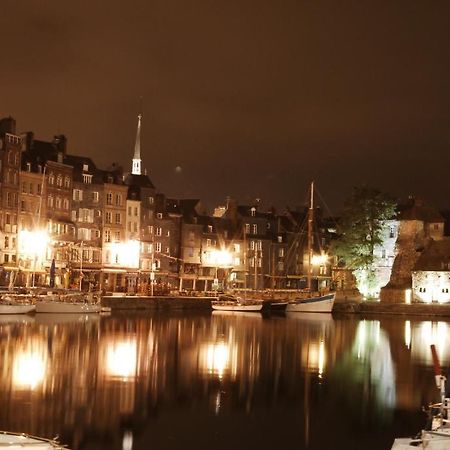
222,381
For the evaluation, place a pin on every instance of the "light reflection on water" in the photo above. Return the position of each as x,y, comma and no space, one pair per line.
124,381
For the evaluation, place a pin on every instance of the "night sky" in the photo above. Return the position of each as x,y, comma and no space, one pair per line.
241,98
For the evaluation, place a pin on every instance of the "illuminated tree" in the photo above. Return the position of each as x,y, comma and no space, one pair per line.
361,231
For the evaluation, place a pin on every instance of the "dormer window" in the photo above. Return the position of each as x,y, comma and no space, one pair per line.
85,167
159,215
87,178
253,211
28,167
210,229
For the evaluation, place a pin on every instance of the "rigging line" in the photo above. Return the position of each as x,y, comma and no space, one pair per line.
327,208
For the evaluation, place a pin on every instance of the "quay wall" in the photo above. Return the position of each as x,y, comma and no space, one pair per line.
342,305
156,303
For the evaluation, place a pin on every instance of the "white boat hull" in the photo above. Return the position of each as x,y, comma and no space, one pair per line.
323,304
16,309
238,307
428,440
13,441
67,307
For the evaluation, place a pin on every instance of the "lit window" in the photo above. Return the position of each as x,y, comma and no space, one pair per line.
158,247
87,178
109,198
255,228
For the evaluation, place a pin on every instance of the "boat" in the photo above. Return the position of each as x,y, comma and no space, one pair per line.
15,308
77,303
313,301
275,305
11,303
436,435
234,303
322,304
21,441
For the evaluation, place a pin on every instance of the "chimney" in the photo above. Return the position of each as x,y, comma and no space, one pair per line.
60,142
8,125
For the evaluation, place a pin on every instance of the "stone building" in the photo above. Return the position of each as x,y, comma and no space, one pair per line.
86,214
10,163
431,273
31,223
417,225
117,257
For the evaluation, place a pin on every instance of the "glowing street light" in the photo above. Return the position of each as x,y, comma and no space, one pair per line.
319,260
220,258
126,253
33,243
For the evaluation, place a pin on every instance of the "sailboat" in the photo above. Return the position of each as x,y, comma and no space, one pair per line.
229,302
312,303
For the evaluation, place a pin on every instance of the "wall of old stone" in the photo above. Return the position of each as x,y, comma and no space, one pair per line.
431,286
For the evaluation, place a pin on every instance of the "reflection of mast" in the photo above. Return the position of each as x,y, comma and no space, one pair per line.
307,389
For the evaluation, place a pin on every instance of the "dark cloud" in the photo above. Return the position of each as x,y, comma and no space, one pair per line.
250,98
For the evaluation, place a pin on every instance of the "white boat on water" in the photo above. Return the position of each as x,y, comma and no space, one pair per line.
67,307
436,435
323,304
232,303
11,303
71,303
17,441
15,308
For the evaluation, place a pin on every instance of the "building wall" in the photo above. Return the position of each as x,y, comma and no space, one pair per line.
431,286
10,160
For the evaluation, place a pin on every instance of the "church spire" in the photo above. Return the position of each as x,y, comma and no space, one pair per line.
136,167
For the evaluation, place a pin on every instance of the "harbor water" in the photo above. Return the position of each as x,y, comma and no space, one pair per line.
218,381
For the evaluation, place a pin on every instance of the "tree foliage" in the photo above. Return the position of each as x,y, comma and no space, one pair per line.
361,226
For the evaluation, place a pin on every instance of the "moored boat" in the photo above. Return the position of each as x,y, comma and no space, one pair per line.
20,441
323,303
15,308
11,303
436,435
78,303
232,303
72,307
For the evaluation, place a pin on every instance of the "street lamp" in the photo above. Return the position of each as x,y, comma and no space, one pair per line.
33,244
220,259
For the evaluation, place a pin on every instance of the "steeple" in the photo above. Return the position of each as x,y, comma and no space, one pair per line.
136,167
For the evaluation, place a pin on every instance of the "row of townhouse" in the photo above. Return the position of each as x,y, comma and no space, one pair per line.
64,221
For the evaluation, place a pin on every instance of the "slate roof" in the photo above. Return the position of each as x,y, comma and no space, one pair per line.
416,210
435,254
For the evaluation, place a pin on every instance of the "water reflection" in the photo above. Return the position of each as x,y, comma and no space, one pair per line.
101,383
29,365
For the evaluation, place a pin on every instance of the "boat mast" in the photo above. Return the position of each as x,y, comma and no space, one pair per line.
310,236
